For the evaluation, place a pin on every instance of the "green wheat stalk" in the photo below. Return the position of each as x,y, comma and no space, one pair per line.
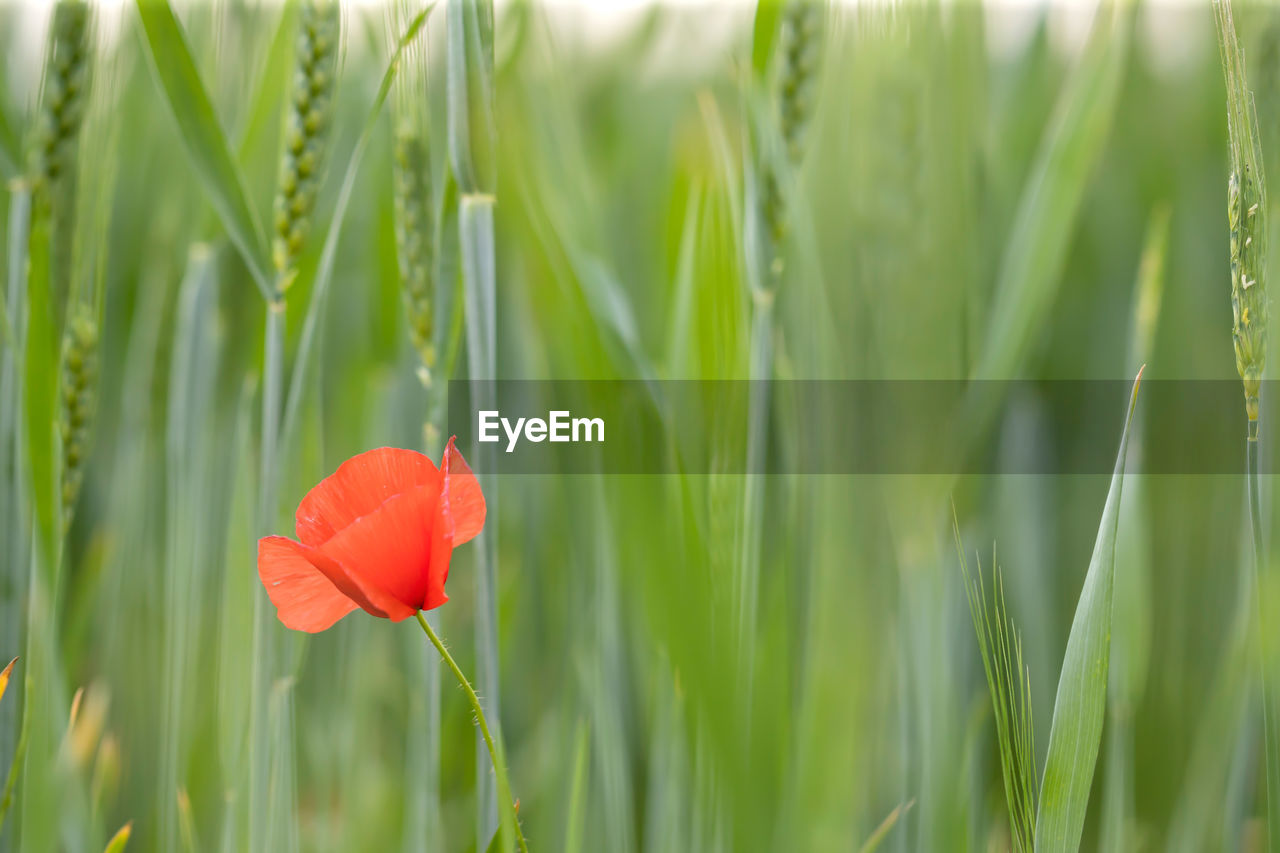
1247,218
792,33
472,135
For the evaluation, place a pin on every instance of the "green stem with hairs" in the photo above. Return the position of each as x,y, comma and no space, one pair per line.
495,751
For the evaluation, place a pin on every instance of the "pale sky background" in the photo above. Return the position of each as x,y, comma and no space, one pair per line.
1168,28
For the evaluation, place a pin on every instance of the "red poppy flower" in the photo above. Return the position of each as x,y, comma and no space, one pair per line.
376,534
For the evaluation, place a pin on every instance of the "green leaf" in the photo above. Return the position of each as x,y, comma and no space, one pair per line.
469,63
874,841
1081,702
495,843
203,136
40,388
328,254
264,116
19,756
10,150
120,840
764,32
1031,269
577,791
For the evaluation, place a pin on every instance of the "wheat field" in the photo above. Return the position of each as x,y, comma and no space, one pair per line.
934,496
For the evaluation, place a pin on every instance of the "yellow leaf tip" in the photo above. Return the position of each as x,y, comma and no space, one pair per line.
120,839
1137,383
4,676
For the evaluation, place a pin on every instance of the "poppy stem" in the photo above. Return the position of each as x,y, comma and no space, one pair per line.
499,766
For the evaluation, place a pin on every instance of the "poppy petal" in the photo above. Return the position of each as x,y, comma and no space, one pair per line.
462,502
388,552
359,486
305,599
438,564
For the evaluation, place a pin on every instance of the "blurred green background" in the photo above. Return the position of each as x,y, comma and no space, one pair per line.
702,662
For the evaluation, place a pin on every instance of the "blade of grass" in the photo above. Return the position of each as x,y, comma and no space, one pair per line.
282,828
1009,683
40,396
1131,635
1080,704
329,252
41,783
874,841
12,487
475,233
764,32
469,63
1031,268
235,628
1247,212
577,790
10,149
262,747
510,825
120,840
472,135
202,135
191,383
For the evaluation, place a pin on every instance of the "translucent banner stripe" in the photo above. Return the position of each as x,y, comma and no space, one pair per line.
858,427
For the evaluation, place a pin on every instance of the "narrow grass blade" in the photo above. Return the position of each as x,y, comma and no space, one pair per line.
40,396
613,314
264,115
449,306
202,134
120,840
329,253
475,233
1198,810
8,338
1081,700
1131,637
877,837
12,485
282,805
764,32
1031,269
577,790
469,63
1009,683
192,380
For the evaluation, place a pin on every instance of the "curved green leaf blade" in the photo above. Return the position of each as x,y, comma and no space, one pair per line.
1081,703
120,840
877,837
469,79
764,32
203,136
1031,269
